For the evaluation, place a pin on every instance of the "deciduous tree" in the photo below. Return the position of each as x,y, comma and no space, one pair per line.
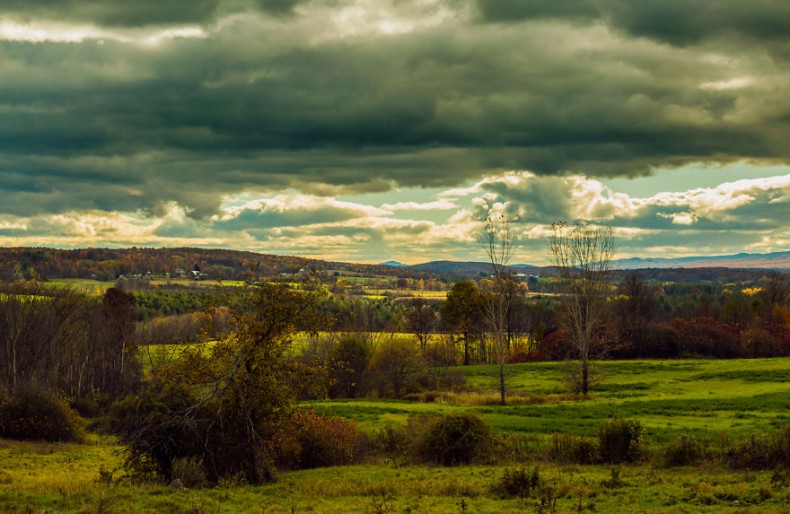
583,257
497,241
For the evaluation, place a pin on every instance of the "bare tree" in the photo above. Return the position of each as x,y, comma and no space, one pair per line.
497,241
583,257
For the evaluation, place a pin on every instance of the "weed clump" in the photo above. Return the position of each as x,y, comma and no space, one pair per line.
190,472
456,439
683,451
37,415
762,452
572,449
518,482
619,440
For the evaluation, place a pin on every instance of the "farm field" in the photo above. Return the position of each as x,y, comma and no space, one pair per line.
700,397
717,401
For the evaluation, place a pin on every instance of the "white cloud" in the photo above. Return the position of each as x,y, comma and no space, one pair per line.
733,216
679,218
60,32
438,205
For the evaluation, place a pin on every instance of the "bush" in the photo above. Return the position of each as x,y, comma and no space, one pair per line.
518,482
456,439
573,449
322,441
619,440
403,440
37,415
190,472
154,430
572,371
763,452
86,407
396,369
683,451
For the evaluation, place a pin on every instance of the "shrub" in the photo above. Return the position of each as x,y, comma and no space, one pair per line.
763,452
322,441
190,472
683,451
619,440
85,407
154,430
403,440
396,368
572,371
456,439
573,449
518,482
37,415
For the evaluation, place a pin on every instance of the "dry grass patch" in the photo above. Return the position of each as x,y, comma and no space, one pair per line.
488,398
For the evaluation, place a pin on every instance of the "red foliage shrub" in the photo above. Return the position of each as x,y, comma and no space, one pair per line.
312,440
556,345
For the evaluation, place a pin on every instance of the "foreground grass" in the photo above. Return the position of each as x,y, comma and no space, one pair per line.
65,478
718,401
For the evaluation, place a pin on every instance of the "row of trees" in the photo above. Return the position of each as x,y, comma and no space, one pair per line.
55,339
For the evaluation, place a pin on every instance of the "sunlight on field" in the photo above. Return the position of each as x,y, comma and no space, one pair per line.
669,397
33,467
84,285
718,401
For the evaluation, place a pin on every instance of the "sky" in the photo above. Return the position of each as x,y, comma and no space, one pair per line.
370,130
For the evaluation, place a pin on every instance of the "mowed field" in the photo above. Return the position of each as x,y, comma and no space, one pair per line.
717,401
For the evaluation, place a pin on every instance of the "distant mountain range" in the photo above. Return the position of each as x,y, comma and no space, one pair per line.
393,264
775,261
109,264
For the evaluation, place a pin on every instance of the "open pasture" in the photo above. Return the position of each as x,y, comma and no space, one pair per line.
718,401
701,397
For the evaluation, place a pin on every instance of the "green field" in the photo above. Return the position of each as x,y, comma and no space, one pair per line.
65,478
718,401
700,397
83,285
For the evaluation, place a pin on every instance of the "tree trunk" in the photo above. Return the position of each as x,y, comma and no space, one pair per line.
502,400
585,377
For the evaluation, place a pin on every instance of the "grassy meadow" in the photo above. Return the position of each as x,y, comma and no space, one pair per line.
717,401
705,398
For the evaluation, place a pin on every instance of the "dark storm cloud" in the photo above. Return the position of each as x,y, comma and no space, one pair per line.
265,103
278,7
139,13
679,22
132,13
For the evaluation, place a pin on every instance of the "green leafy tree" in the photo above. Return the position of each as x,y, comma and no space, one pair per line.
462,313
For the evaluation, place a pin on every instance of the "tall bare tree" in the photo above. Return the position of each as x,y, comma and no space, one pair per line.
497,241
583,257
